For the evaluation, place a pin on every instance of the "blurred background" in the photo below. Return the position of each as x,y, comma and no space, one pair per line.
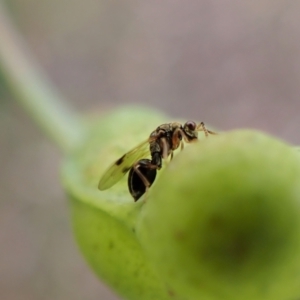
230,63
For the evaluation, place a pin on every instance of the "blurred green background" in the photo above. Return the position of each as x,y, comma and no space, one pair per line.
232,64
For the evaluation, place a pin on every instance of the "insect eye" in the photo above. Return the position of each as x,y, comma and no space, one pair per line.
190,125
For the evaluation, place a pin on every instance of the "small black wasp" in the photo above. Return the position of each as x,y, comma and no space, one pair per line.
160,145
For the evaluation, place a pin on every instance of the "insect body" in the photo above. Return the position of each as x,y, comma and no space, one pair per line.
160,145
136,185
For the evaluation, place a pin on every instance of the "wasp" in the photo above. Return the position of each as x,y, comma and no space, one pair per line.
160,145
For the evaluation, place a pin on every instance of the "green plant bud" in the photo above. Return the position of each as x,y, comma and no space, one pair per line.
223,220
104,222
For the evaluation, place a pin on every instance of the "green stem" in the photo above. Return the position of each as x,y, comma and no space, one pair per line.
32,89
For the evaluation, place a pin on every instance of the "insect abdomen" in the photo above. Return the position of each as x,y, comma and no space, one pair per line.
136,185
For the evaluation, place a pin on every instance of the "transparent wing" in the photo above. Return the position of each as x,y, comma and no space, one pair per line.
121,166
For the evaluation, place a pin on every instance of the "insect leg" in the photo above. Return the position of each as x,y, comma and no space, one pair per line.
177,141
176,138
172,154
143,178
165,148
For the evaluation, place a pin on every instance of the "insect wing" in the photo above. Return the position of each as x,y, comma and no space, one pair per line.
120,167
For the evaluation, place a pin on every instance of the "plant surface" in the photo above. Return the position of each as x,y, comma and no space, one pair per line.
222,220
